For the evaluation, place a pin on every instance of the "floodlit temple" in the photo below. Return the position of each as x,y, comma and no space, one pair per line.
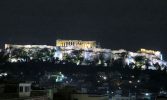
76,43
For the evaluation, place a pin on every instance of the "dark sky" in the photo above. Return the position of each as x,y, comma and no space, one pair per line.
128,24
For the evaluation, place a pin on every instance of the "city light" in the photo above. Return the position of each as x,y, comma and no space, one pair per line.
130,82
147,94
104,77
138,81
3,74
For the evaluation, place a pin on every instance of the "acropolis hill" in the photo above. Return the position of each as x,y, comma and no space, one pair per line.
85,53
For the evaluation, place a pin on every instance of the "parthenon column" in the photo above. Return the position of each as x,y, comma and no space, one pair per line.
64,44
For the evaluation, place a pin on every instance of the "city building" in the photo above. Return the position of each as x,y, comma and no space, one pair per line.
24,89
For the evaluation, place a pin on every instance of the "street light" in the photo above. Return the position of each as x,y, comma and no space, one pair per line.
130,82
138,81
147,94
104,77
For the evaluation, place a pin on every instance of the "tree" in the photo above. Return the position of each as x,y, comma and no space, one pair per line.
3,57
157,66
44,54
20,53
140,61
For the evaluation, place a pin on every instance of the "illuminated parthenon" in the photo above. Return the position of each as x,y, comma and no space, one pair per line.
76,43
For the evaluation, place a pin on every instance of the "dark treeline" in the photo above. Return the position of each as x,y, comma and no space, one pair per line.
73,68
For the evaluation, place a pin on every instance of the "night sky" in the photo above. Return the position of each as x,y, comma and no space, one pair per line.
116,24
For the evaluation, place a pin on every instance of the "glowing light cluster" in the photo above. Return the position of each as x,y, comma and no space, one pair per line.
3,74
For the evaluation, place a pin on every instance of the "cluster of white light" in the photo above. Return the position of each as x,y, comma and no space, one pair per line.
152,56
3,74
103,77
155,57
59,77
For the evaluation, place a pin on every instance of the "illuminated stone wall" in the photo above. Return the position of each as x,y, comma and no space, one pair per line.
25,53
76,43
8,46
